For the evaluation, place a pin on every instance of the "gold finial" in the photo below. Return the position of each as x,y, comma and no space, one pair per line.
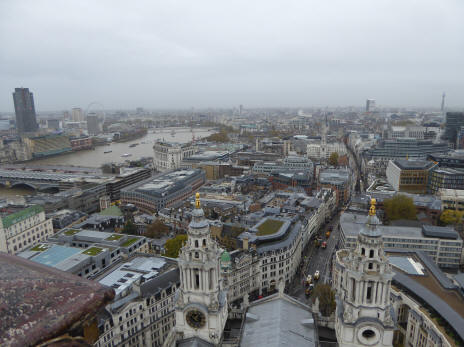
372,209
197,200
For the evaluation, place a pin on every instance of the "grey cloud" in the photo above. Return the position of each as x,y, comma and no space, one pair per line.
185,53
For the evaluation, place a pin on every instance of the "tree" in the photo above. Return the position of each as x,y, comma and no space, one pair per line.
451,217
173,246
130,228
157,229
326,297
221,136
333,159
400,207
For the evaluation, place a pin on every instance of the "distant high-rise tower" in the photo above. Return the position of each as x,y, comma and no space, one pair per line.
370,105
92,124
240,110
443,102
26,120
77,115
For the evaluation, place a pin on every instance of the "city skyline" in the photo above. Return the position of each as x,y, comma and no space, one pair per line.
220,55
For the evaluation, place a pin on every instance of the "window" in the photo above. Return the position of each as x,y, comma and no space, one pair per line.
371,253
363,251
196,245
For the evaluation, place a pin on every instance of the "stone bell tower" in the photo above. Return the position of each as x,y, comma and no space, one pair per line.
362,280
201,308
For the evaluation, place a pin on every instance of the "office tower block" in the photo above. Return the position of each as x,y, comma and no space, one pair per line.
26,120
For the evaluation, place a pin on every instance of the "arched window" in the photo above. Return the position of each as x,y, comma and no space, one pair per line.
363,251
204,242
196,243
371,253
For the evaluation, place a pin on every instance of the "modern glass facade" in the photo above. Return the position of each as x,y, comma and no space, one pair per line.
25,111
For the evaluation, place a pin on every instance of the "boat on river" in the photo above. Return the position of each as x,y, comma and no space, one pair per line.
105,152
125,155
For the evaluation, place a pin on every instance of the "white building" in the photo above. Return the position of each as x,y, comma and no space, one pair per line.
201,307
442,244
322,152
142,313
362,280
77,115
168,156
23,229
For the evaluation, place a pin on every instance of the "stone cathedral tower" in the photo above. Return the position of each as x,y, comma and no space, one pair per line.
201,308
362,280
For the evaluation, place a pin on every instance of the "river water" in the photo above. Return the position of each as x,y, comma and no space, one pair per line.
96,158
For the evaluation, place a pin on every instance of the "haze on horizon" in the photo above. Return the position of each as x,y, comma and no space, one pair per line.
209,53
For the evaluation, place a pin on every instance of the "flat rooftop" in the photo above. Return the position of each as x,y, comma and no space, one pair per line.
429,285
164,182
123,276
351,223
405,164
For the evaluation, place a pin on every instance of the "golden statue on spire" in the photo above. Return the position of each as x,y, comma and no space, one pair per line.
372,209
197,200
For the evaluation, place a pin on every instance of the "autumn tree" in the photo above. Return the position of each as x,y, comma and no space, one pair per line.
326,297
451,217
157,229
333,159
400,207
173,246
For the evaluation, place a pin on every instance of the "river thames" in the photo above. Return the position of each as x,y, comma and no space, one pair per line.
96,158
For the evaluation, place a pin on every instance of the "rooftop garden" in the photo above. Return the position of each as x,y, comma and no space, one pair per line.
93,251
129,242
114,237
39,248
269,227
111,211
71,232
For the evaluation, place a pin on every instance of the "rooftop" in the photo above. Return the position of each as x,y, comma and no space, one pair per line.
278,321
405,164
26,288
269,227
124,275
161,184
431,287
21,215
111,211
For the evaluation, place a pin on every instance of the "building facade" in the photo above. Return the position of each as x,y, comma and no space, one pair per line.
362,279
169,156
23,229
448,178
410,176
442,244
201,307
165,190
26,120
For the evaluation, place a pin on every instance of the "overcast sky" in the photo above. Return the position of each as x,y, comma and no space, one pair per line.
195,53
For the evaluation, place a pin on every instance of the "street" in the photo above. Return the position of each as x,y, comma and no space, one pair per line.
317,259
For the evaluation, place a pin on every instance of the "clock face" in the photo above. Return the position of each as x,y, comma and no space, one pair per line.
196,319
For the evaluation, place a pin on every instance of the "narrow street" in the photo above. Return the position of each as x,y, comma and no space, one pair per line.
318,259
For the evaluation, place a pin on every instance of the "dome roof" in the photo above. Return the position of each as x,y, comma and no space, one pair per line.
225,257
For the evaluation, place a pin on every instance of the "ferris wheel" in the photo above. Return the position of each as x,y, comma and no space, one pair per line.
97,108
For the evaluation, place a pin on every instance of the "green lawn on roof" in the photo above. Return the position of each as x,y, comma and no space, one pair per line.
129,242
71,232
269,227
92,251
114,237
39,248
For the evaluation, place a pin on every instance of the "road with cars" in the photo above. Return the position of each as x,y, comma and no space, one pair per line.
317,259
